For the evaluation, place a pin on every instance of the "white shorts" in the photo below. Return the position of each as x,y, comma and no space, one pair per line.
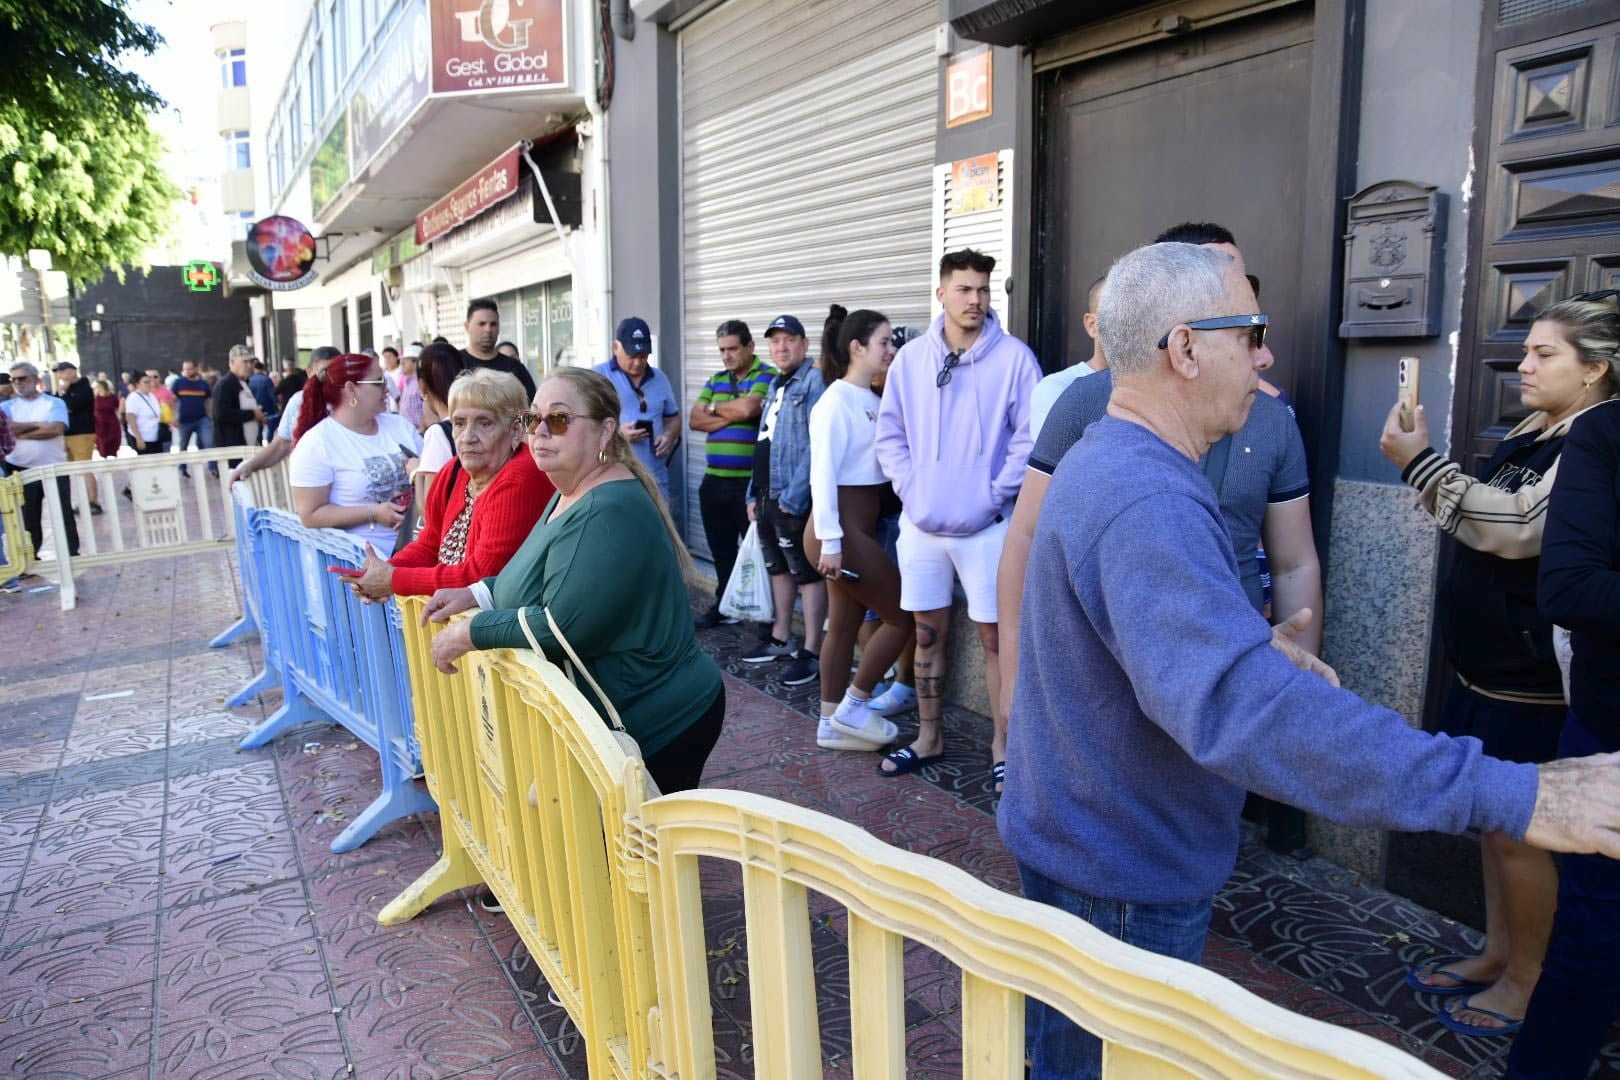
929,565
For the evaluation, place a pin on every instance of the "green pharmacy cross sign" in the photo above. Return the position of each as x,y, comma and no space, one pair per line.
201,276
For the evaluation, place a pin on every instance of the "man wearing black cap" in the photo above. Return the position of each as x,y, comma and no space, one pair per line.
81,425
779,501
648,413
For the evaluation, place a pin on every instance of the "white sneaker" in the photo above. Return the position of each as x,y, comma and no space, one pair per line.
830,738
860,722
896,699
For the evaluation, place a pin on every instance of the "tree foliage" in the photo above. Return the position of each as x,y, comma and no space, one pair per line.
60,59
90,190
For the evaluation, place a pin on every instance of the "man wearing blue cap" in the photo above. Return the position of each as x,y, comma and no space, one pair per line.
648,413
779,501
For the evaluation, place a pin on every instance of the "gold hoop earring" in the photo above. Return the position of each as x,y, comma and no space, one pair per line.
602,455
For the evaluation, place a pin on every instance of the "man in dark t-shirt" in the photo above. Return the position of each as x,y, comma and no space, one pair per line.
192,392
483,331
80,436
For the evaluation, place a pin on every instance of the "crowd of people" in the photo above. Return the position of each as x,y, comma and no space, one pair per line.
1131,536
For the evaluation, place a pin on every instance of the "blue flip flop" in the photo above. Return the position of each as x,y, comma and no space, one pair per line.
1509,1026
1461,986
906,760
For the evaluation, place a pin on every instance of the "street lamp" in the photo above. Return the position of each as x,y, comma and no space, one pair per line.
40,260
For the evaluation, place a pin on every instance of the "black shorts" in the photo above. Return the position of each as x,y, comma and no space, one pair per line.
1510,730
781,534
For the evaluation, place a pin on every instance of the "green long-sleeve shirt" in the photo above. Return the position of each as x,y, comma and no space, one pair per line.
609,574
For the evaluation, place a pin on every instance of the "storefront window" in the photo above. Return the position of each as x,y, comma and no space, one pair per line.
560,319
533,342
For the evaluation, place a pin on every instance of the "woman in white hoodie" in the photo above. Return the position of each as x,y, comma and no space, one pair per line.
846,485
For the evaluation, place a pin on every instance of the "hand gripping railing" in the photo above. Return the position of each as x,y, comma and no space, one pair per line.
534,791
18,553
334,656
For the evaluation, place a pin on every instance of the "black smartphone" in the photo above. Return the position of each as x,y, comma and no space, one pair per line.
644,425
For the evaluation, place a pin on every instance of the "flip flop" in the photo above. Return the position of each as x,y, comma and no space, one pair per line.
998,775
1463,1027
1460,985
906,760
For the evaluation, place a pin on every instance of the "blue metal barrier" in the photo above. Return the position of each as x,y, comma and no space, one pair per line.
252,620
337,659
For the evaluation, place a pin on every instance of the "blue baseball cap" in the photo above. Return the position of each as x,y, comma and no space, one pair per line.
785,322
634,335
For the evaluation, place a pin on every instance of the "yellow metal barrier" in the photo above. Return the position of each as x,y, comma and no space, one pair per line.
534,791
18,554
541,800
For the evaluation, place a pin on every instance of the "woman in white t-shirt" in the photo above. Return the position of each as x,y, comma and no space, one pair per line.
143,417
348,468
846,488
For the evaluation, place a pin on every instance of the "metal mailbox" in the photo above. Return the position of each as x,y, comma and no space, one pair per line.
1394,256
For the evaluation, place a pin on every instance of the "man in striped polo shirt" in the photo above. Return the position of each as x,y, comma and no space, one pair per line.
727,411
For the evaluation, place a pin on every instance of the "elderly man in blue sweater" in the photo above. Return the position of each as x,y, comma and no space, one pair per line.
1149,694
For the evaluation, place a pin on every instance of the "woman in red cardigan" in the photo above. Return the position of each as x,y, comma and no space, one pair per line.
480,508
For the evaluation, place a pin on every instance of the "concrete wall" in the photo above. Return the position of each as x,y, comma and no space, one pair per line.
1382,551
153,320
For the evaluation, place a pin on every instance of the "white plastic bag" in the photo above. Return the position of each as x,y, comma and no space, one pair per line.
748,592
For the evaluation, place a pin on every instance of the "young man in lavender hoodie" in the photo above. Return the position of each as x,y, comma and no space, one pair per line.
953,437
1150,696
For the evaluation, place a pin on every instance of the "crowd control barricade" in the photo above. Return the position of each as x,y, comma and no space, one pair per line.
334,656
534,791
601,879
163,514
252,579
17,554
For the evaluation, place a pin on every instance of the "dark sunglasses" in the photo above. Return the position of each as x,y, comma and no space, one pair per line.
557,423
641,397
1598,294
1255,324
945,373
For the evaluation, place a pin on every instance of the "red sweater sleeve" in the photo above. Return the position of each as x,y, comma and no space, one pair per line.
441,509
503,516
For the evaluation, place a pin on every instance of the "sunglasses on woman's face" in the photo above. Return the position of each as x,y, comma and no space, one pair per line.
556,423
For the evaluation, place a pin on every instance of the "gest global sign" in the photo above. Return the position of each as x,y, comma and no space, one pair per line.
495,46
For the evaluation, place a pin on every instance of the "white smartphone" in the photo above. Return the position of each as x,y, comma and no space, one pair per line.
1410,372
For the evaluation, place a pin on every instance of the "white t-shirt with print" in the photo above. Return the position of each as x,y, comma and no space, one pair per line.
358,470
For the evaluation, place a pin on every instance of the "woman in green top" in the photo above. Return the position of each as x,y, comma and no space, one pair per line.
605,560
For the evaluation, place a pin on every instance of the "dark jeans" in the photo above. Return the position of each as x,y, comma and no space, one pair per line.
33,514
1578,996
1060,1048
679,766
203,430
723,503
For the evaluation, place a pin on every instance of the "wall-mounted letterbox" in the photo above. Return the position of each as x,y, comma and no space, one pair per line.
1394,255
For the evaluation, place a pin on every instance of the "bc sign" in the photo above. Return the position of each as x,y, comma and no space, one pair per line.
967,88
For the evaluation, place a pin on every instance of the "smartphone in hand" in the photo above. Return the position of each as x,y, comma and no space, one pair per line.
345,571
1408,390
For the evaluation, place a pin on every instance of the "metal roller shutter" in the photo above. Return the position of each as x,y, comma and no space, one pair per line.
989,231
450,311
807,173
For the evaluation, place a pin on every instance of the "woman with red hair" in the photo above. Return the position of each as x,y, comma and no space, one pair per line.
348,466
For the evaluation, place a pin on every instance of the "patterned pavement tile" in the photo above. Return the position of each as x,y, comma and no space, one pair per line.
305,1048
37,978
26,720
216,931
94,1036
245,996
453,1025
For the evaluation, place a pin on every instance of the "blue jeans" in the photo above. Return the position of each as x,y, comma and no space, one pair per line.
1060,1048
1578,995
204,431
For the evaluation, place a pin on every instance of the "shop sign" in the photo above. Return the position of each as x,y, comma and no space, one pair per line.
514,214
974,184
494,182
489,46
967,88
398,251
329,169
392,90
280,253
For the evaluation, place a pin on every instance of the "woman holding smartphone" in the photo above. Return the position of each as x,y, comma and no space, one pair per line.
1509,693
846,495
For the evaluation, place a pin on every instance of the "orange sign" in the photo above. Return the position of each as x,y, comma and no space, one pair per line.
974,185
967,88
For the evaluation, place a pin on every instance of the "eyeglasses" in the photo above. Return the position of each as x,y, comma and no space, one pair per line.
369,382
556,423
1599,294
1255,324
945,373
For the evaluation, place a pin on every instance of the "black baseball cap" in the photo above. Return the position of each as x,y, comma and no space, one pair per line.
785,322
635,336
66,365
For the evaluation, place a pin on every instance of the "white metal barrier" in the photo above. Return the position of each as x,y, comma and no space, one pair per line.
163,513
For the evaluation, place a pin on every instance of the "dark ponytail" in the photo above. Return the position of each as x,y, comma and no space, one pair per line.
843,328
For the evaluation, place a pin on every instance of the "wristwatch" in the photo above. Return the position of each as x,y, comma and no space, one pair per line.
711,408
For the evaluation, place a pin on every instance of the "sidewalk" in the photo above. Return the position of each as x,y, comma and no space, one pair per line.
169,907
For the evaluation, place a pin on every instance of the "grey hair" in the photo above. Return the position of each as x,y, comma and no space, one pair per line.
1151,289
25,366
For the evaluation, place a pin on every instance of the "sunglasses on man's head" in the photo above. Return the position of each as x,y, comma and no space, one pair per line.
557,423
1255,323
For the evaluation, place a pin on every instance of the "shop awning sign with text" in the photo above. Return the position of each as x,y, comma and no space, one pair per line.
496,181
480,46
